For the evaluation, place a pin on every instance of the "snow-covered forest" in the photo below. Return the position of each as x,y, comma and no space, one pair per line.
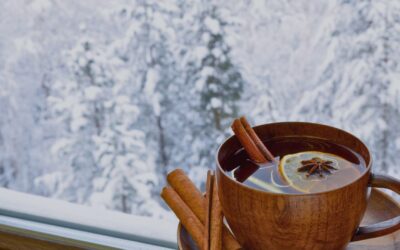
100,99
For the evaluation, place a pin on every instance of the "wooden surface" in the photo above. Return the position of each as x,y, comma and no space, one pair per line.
380,207
16,242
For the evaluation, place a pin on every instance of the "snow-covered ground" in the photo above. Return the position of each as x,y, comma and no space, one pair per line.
100,99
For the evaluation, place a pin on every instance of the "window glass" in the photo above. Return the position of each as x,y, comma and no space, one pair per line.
99,100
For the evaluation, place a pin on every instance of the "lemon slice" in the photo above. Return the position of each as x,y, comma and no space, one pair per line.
299,180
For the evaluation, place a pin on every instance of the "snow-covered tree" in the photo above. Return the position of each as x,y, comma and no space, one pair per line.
220,80
216,83
148,48
101,149
353,89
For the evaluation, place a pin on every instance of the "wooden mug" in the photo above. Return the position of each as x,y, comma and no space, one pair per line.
324,220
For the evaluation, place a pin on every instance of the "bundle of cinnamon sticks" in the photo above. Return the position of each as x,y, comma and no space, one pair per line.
201,216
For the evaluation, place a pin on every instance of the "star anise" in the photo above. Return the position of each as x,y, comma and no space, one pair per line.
316,165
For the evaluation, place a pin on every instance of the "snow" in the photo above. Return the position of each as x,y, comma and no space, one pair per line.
200,51
212,24
215,103
156,105
152,79
50,180
59,145
121,99
25,45
92,93
82,62
40,5
394,89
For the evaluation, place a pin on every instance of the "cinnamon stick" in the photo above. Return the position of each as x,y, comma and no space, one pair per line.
196,202
216,218
245,170
189,193
207,227
213,225
260,145
185,215
250,141
249,145
233,162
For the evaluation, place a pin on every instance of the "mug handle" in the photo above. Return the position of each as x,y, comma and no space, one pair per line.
384,227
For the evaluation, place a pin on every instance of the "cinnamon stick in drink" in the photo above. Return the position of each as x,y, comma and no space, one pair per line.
196,202
247,142
260,145
250,141
185,215
245,170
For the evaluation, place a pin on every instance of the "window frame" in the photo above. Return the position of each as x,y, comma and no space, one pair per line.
82,226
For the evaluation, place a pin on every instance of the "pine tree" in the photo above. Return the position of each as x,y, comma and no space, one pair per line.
217,83
148,48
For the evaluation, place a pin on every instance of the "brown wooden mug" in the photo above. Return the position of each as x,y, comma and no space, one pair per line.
325,220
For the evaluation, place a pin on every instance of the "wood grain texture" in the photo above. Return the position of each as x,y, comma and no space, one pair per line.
263,220
13,241
382,227
380,207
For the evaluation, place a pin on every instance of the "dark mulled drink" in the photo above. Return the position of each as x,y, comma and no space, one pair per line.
301,165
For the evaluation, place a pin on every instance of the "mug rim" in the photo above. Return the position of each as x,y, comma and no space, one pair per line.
367,168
